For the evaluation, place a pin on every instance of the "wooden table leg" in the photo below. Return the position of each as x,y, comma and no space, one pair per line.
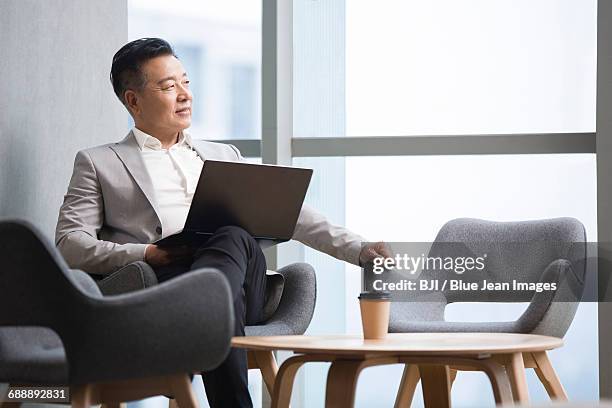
410,379
342,379
547,375
268,367
341,383
498,378
515,368
494,370
435,381
283,384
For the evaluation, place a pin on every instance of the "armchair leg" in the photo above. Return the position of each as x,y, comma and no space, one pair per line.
81,396
452,376
410,379
6,404
183,393
547,375
172,403
114,394
114,405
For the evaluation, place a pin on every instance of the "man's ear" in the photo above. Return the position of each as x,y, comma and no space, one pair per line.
131,101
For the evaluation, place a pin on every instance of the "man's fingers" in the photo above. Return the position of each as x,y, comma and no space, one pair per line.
382,250
375,250
385,252
372,254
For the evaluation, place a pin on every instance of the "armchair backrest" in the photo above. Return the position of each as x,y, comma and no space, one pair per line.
33,277
518,251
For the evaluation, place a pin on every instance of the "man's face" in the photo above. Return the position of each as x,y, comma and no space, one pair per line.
164,105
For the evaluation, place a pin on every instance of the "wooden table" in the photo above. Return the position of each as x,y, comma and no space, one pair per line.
432,355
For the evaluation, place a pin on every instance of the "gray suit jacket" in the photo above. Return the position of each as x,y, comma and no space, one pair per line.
109,213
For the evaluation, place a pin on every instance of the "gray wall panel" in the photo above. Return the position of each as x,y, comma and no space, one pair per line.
54,63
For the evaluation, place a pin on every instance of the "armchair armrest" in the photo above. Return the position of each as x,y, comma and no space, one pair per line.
184,325
297,303
546,303
132,277
85,281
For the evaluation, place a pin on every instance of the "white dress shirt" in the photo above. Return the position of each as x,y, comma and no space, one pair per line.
175,173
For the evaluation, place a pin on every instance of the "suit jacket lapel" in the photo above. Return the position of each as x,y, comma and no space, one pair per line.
129,153
197,149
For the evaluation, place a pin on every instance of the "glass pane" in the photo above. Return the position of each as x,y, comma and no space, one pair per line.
423,67
412,197
409,199
219,43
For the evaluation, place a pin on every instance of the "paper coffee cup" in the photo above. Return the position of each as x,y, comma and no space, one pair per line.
374,314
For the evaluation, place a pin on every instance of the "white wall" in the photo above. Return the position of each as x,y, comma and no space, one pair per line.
56,97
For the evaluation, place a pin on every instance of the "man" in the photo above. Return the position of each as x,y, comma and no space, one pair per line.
124,196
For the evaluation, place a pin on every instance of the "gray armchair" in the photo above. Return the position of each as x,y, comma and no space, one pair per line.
290,302
57,328
532,251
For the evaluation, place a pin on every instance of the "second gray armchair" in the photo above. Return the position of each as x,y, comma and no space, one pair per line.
290,301
542,251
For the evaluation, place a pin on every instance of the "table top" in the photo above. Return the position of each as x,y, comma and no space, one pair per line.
404,343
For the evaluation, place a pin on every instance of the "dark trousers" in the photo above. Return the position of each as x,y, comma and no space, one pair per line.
237,255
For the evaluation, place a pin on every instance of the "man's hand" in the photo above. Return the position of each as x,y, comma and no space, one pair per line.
156,256
374,250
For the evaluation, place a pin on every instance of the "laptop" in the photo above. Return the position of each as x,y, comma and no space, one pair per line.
265,200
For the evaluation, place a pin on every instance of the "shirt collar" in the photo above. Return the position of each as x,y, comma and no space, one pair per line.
146,141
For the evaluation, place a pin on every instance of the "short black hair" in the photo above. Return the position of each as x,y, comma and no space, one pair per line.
126,70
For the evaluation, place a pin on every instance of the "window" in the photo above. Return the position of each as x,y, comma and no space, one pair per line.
213,39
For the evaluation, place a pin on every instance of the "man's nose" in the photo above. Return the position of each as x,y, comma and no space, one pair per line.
184,93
